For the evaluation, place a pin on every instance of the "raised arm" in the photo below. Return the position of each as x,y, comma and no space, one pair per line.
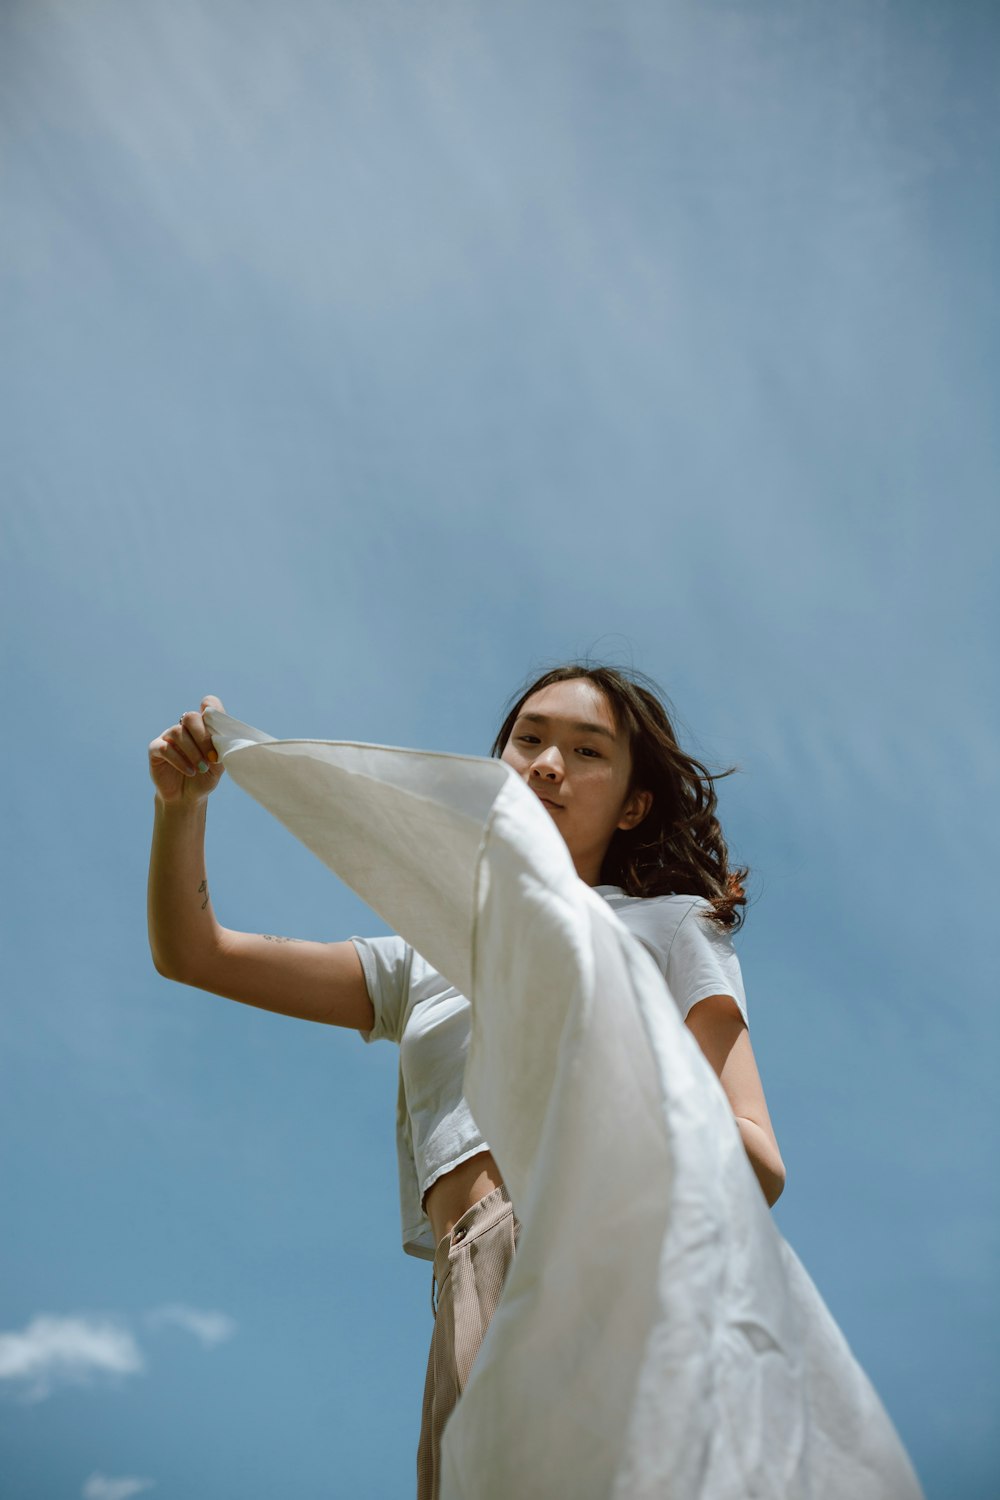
312,981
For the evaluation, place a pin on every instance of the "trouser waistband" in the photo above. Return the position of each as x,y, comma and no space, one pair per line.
477,1220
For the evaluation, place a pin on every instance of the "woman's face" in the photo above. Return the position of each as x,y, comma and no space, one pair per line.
567,747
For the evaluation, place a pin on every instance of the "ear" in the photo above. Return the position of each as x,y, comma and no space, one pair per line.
636,807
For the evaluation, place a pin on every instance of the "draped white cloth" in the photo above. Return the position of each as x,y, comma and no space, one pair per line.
657,1337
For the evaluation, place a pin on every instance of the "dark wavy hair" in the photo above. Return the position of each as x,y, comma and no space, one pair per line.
678,848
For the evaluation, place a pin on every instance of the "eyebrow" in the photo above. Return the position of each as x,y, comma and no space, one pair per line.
582,728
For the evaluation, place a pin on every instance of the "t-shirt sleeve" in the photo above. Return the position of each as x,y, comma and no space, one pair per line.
386,963
701,961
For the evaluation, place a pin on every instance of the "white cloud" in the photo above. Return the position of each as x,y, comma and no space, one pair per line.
208,1326
53,1349
103,1487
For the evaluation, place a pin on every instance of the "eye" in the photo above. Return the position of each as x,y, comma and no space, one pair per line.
586,750
527,739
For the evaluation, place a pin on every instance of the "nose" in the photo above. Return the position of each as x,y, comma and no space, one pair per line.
547,765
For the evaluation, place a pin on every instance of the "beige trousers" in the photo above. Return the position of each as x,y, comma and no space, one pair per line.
470,1267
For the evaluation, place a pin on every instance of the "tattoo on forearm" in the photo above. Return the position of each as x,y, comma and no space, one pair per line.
203,887
270,938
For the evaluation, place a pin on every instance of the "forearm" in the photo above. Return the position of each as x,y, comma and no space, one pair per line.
182,925
762,1150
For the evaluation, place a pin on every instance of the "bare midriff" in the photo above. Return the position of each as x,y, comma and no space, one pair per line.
456,1191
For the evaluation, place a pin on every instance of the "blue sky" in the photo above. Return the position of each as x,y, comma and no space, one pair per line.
360,361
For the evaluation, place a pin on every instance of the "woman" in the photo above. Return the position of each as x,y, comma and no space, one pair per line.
638,818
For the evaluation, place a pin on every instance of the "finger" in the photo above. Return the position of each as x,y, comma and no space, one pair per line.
179,739
194,726
210,701
193,742
162,749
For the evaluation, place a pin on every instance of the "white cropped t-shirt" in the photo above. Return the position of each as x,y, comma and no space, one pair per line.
431,1022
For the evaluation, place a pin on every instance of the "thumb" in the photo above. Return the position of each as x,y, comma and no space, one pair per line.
210,701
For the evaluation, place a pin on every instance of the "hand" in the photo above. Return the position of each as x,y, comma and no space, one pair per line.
183,761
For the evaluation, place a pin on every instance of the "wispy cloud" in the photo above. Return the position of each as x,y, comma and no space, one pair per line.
104,1487
209,1326
53,1350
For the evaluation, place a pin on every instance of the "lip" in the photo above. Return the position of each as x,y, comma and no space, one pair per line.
546,801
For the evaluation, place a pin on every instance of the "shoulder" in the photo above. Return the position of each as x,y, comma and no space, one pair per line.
620,902
695,955
397,979
657,919
702,960
392,961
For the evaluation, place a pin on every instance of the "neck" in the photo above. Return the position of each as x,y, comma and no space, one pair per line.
588,867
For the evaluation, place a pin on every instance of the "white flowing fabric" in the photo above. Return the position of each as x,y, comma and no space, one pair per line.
656,1336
